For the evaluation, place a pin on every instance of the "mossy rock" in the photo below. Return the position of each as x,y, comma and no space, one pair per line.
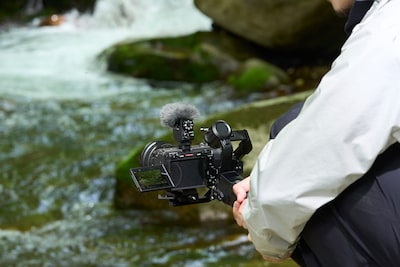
142,61
256,117
257,76
184,58
196,58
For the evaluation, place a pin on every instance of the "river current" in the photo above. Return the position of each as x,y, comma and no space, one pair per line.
66,123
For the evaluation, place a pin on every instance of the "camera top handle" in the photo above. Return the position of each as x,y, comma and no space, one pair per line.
244,146
220,135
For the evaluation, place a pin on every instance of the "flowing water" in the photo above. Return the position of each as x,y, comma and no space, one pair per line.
64,125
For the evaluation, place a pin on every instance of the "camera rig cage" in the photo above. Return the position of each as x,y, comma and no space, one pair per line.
182,170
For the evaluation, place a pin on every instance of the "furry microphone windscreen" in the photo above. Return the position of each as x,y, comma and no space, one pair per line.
171,113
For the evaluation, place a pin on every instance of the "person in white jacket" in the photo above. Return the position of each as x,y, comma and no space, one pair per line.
325,190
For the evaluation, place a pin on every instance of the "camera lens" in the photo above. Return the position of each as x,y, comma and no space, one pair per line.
148,152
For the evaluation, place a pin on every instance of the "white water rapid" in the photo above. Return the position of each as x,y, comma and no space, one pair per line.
61,61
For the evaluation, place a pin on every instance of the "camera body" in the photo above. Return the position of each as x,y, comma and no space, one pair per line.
196,164
181,170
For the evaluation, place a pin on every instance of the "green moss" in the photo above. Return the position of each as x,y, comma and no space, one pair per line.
166,62
257,75
190,41
254,79
133,159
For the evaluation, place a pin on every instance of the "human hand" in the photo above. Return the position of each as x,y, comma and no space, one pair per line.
240,189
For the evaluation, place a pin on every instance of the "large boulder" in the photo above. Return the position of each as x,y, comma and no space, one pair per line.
289,26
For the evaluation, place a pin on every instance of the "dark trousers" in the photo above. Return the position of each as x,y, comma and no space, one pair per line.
360,227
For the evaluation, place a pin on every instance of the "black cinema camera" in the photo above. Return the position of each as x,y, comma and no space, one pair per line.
182,170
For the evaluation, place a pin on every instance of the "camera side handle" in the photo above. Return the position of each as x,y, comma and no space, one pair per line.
225,187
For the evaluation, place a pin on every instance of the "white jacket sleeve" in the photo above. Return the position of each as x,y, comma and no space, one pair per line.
353,116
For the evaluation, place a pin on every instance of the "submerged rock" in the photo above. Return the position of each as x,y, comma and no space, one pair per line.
53,20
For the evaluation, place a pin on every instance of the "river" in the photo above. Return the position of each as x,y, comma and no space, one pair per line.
66,123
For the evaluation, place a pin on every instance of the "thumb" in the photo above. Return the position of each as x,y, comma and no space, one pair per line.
240,189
